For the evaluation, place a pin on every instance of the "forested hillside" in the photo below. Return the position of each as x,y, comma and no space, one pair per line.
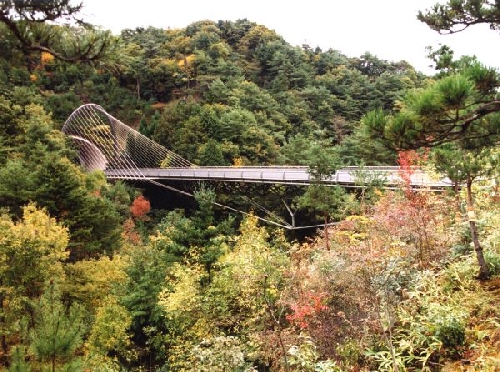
102,276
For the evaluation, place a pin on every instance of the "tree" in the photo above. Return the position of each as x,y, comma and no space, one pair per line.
30,24
198,239
9,126
359,147
460,105
463,104
89,281
69,194
442,58
241,300
31,252
140,207
211,154
145,279
457,15
325,199
58,330
109,334
45,174
145,64
466,166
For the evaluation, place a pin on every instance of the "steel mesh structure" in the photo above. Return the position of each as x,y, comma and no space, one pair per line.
105,143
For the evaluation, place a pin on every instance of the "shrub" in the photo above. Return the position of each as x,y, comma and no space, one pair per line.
493,261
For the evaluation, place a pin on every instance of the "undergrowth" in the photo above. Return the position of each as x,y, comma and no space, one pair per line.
449,321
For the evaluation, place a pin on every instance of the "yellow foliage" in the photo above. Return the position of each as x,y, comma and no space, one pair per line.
46,58
165,63
33,77
238,162
251,269
109,331
186,61
37,231
187,290
91,281
31,250
220,49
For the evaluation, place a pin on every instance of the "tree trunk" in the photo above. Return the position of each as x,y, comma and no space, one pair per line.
138,88
457,202
327,238
484,273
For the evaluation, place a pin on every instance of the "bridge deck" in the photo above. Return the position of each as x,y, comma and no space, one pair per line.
294,175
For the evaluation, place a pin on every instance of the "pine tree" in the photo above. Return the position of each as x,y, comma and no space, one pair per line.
18,362
58,330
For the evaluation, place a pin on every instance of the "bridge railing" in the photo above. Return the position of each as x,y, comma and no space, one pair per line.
293,175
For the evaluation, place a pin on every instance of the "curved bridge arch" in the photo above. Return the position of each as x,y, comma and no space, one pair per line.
91,158
105,143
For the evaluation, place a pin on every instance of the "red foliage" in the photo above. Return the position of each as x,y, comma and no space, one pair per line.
140,207
129,232
420,219
409,161
305,311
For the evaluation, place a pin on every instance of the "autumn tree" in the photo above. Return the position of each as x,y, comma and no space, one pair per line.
109,337
31,252
140,207
89,281
240,300
461,107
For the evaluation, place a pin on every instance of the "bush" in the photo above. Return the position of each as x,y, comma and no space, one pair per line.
460,274
449,328
431,323
493,261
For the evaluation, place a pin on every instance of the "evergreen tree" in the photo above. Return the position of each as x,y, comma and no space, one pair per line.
457,15
18,360
57,330
322,198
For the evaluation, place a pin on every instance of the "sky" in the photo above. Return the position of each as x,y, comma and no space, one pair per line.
387,29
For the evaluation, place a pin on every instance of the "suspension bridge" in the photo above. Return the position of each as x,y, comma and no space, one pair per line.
105,143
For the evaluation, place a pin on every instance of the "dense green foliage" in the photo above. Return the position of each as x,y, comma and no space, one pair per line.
94,276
